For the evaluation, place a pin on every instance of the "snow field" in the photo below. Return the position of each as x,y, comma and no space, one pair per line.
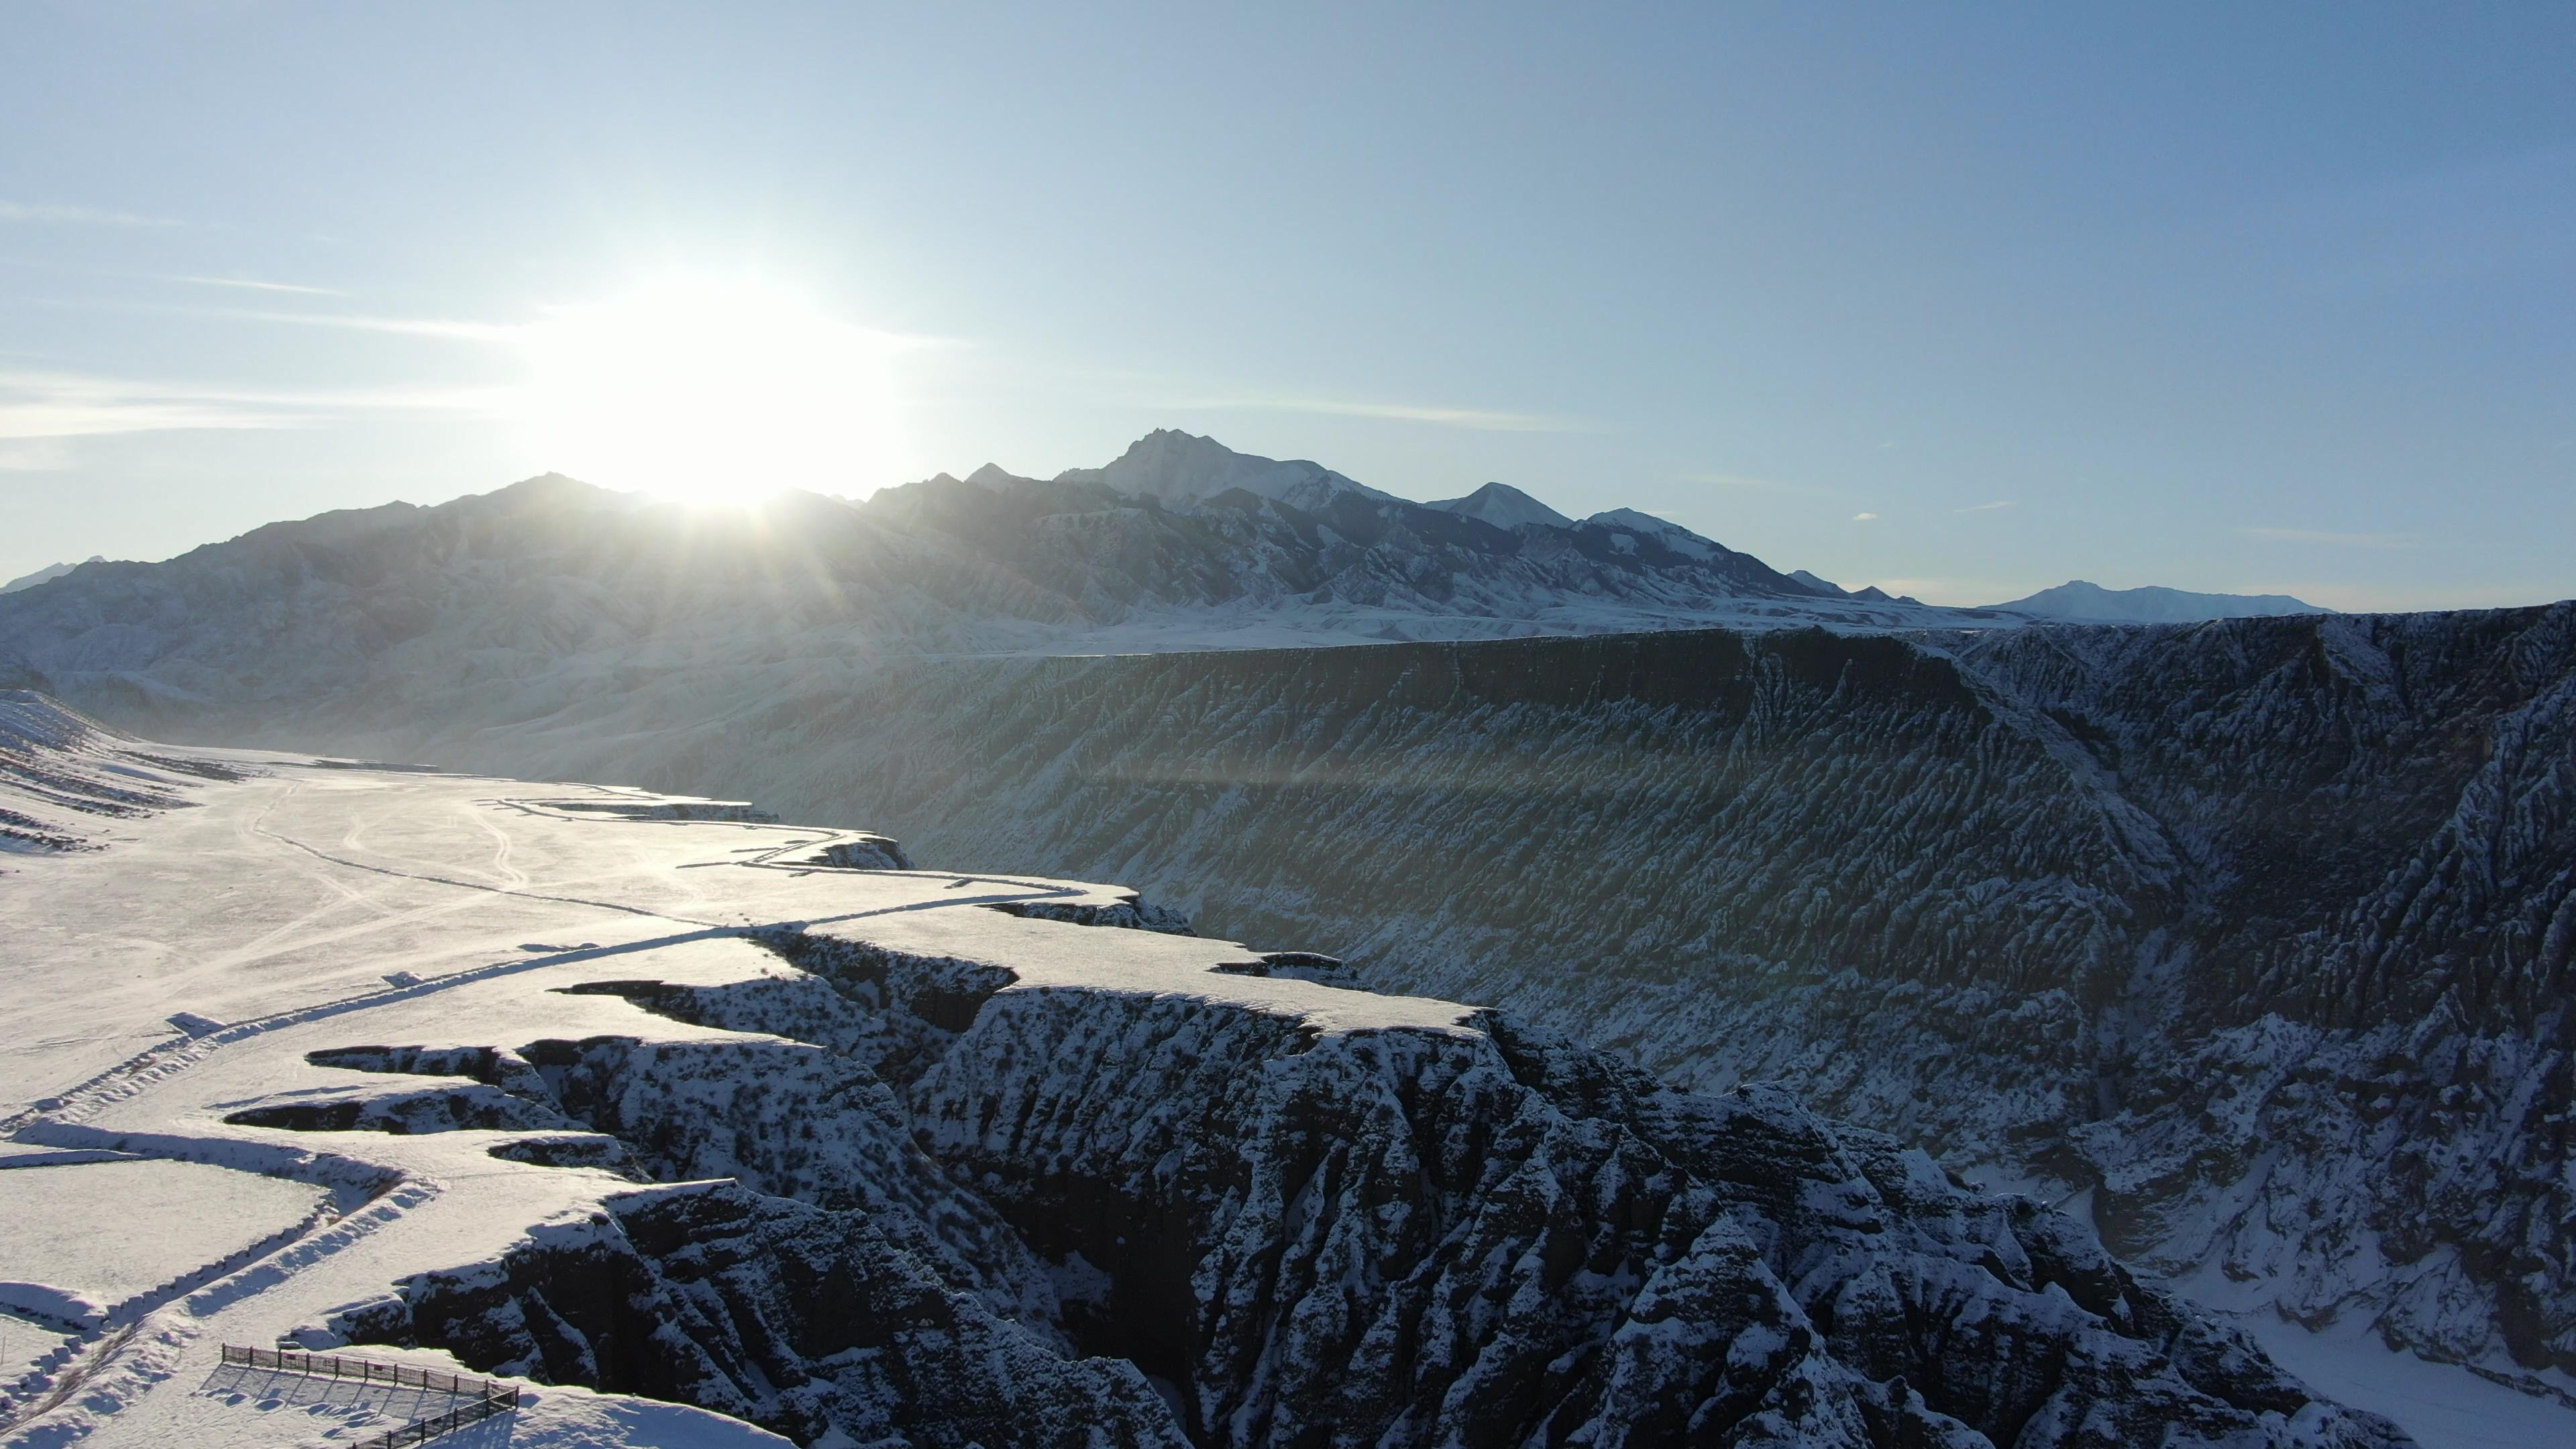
109,1231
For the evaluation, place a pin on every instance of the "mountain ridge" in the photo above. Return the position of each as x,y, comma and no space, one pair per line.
544,583
2152,604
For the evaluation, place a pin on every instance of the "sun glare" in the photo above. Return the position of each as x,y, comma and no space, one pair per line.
708,393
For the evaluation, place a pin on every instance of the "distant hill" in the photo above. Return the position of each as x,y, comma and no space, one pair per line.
2093,603
45,575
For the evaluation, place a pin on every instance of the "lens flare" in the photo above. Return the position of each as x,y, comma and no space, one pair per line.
708,393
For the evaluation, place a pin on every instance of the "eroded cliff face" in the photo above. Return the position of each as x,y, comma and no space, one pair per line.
969,1211
2259,932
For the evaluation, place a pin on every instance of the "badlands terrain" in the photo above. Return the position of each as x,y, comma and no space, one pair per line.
694,1121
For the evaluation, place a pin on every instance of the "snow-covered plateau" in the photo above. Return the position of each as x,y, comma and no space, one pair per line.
711,1128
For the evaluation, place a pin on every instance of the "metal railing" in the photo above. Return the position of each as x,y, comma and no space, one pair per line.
485,1398
421,1431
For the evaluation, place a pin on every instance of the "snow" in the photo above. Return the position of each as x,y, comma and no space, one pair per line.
1183,467
311,907
314,907
167,1218
23,1341
1672,535
2443,1405
1503,506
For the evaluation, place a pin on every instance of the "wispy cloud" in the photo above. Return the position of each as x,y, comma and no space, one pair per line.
53,406
1985,507
1484,420
464,331
502,332
1864,518
248,285
2320,535
48,214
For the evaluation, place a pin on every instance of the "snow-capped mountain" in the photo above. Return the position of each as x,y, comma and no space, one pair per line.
496,607
1181,468
2094,604
628,1099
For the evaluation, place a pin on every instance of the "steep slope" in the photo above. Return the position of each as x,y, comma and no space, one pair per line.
884,1155
2256,933
2092,603
66,780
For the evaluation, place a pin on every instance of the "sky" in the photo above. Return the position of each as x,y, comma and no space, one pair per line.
1959,300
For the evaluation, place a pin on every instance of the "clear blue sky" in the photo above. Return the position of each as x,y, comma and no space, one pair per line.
2244,297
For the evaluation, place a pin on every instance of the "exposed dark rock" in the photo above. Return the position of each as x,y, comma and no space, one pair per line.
1483,1236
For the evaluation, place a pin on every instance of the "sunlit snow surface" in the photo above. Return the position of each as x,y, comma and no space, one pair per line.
313,906
271,911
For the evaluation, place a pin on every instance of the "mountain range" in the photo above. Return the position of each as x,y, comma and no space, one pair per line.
1178,543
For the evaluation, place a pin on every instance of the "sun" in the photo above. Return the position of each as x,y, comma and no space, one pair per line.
708,393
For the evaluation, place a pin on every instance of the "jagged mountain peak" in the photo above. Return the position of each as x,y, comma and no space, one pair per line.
1185,467
1503,506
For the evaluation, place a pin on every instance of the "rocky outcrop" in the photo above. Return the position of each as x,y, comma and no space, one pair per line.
803,1319
1231,1226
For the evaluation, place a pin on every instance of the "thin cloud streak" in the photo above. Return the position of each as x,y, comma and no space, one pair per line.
1483,420
249,285
493,332
500,332
52,406
55,215
2319,535
1985,507
1864,518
